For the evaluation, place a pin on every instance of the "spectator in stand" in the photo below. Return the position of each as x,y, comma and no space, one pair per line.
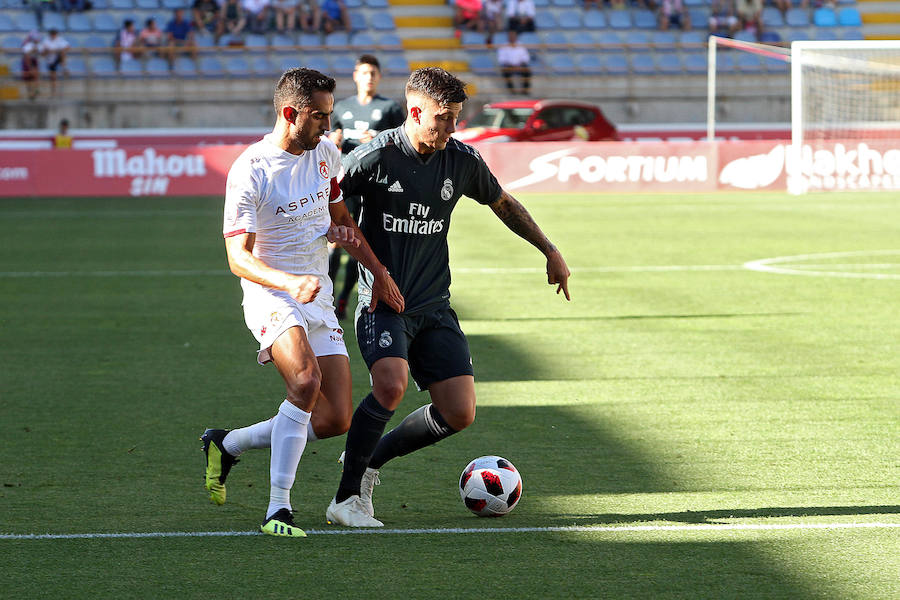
309,16
231,19
514,59
593,4
334,16
467,15
151,37
180,35
257,13
722,18
492,17
206,15
31,69
749,14
520,15
54,49
127,43
62,139
285,14
672,13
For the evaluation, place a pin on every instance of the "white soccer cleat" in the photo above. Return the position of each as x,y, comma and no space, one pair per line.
351,513
367,486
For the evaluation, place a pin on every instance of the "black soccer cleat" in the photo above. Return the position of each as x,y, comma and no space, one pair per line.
281,524
218,463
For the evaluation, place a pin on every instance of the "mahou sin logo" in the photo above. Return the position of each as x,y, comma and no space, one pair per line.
116,163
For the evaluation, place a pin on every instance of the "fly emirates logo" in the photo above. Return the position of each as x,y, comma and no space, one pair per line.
416,221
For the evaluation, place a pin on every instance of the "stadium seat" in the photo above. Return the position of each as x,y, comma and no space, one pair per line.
645,19
483,63
769,37
725,62
668,63
826,34
529,38
319,62
472,38
103,66
12,42
353,3
362,39
564,3
76,67
376,3
748,63
582,37
849,17
309,40
695,63
337,39
106,22
210,66
262,65
798,35
131,68
396,64
146,4
594,19
173,4
204,41
693,37
554,38
236,66
500,38
382,21
618,19
343,64
745,35
25,21
79,22
852,34
642,64
541,3
569,19
54,20
184,66
616,63
663,40
390,42
772,17
157,67
589,64
797,17
561,64
6,23
773,65
824,17
609,40
357,21
546,19
121,4
256,42
281,40
637,41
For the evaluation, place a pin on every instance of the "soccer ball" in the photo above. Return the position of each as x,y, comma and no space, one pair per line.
490,486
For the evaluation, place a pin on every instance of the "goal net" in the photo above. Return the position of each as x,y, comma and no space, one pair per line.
844,111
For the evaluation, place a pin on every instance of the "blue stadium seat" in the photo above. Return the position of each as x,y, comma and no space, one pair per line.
637,41
204,41
849,17
500,38
96,41
589,64
353,3
824,17
797,17
663,40
745,35
826,34
769,37
158,67
261,65
343,64
309,40
236,66
472,38
483,63
693,37
121,4
798,35
319,62
645,19
131,68
554,38
609,40
11,42
569,19
546,19
54,20
616,63
146,4
564,3
382,21
173,4
25,21
582,37
362,39
541,3
642,64
618,19
256,42
184,66
210,66
357,21
749,63
106,22
594,19
725,62
281,40
337,39
772,17
699,16
6,23
668,63
390,42
773,65
561,64
376,3
80,22
529,38
852,34
396,64
103,66
76,66
695,63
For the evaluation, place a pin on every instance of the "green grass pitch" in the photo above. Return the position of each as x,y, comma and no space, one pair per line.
687,427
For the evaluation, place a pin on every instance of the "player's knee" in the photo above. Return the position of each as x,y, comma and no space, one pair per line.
304,385
460,418
389,391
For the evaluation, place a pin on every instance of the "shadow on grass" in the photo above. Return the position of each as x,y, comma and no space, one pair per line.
722,516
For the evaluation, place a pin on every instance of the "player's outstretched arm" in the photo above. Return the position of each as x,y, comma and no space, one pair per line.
383,287
519,221
239,249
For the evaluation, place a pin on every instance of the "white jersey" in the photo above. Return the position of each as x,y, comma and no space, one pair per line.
283,198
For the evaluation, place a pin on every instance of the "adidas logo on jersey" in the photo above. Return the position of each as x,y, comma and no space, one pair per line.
395,187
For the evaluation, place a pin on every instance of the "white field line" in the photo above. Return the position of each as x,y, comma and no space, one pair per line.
459,530
794,265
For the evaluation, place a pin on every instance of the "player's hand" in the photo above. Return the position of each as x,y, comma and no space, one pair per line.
385,289
367,136
558,273
304,288
342,236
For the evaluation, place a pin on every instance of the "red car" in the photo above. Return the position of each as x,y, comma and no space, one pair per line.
537,121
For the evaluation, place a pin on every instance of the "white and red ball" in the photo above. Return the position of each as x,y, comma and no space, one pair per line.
490,486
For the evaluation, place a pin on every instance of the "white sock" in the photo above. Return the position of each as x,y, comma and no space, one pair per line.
288,441
256,436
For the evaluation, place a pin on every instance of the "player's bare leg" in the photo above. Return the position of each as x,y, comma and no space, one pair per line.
334,407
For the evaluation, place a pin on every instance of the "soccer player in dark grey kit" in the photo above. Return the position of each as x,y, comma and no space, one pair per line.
357,120
410,179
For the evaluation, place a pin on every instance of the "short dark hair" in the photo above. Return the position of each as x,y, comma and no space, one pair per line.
297,86
437,84
368,59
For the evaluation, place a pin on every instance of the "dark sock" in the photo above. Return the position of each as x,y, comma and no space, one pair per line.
366,428
422,427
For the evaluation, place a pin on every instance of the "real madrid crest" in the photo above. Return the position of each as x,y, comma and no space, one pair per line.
447,190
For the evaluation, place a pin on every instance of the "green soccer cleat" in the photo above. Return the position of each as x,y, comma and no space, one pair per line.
218,464
281,524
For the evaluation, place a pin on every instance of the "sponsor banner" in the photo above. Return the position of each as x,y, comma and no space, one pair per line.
126,171
520,167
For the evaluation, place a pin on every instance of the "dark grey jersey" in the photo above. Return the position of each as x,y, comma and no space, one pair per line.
355,119
407,199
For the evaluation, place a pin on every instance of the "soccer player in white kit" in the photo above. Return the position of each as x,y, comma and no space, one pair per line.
282,205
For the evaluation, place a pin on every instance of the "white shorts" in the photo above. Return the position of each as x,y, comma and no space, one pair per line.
269,313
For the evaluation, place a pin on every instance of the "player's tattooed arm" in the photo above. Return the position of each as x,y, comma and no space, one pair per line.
519,221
